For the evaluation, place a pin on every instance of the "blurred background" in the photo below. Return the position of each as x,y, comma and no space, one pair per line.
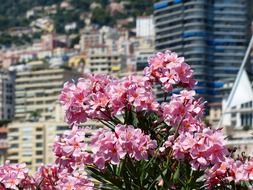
44,43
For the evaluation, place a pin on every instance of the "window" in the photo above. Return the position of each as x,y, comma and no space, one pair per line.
38,136
39,129
13,130
39,160
39,145
39,152
14,145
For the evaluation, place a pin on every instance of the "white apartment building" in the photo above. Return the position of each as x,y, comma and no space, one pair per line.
237,119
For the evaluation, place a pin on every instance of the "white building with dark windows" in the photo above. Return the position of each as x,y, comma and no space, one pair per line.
237,117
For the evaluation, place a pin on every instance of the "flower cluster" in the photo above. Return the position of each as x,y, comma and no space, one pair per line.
101,97
184,110
126,154
47,177
13,176
169,70
230,170
112,146
82,100
106,147
202,149
75,180
70,149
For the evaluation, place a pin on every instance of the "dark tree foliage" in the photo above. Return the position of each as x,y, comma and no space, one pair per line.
101,17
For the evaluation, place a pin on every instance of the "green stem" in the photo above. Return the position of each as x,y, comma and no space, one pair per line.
106,124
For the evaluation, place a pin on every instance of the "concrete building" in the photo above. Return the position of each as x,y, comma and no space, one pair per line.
142,59
3,142
37,90
100,60
32,142
7,95
211,37
38,117
239,112
145,26
89,38
237,118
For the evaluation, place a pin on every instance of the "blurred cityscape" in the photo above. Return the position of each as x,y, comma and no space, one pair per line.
44,43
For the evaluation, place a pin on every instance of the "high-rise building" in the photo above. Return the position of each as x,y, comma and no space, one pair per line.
7,98
211,34
37,113
37,91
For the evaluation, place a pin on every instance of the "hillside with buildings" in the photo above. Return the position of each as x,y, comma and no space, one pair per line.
23,21
57,42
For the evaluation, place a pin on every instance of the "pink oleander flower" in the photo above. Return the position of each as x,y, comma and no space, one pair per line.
217,174
13,176
135,142
79,101
228,171
75,180
106,149
100,97
111,147
140,94
98,102
47,176
201,149
71,149
117,94
72,99
51,177
169,70
243,171
185,111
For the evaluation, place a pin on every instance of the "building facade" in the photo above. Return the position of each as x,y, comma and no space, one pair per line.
38,113
37,92
32,142
237,116
211,34
102,61
145,26
3,142
7,95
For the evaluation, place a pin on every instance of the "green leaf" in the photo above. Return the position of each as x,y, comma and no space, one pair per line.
176,175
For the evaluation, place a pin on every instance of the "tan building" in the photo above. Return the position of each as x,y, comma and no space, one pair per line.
32,142
37,92
26,143
38,117
99,60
